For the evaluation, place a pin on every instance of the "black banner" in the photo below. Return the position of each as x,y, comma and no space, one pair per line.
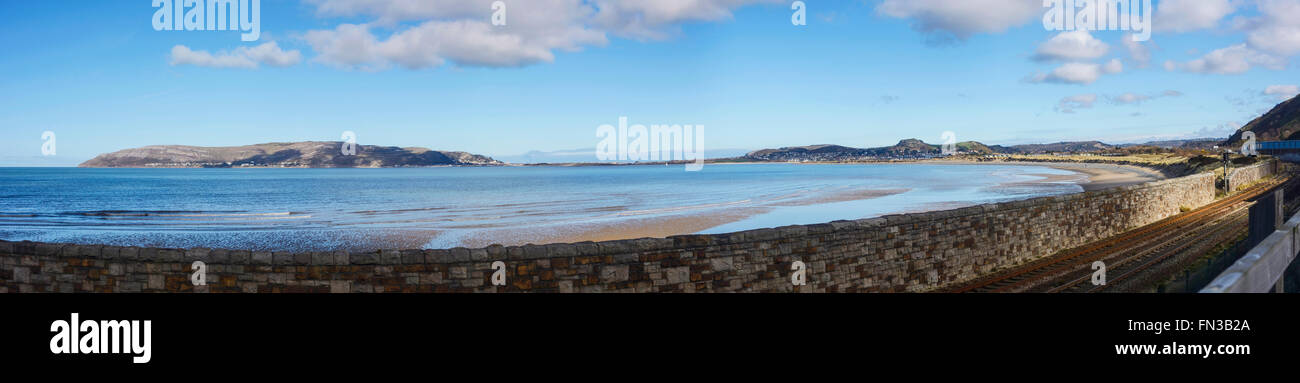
364,330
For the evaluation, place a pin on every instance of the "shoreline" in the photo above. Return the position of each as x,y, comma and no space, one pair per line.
688,224
1101,176
1089,176
1095,177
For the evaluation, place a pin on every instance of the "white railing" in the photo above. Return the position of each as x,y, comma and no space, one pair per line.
1261,269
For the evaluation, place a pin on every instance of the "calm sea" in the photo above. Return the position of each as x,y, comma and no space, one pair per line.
327,209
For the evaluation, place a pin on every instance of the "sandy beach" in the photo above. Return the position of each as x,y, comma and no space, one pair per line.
1106,176
1090,177
1099,176
656,227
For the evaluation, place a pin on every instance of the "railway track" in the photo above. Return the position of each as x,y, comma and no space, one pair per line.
1127,254
1122,269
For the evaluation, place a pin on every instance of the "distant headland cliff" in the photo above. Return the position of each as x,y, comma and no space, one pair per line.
290,155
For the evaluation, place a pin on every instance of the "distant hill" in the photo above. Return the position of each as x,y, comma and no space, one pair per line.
799,151
1194,143
914,148
297,154
1061,147
978,148
909,148
1281,123
587,155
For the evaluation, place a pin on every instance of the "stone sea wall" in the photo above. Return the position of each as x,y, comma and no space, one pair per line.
1241,177
899,253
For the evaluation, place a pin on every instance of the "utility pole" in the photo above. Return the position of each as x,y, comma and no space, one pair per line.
1227,187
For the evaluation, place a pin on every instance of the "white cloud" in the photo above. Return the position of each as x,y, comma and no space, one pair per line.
243,57
1190,15
1072,46
1220,131
1129,98
428,45
657,19
1075,73
348,45
1078,73
454,30
1280,39
1278,29
270,54
392,11
1231,60
553,23
183,55
961,19
1112,67
460,31
1138,52
1085,101
1070,73
642,18
1282,92
1080,101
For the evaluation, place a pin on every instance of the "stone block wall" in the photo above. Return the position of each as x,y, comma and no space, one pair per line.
1244,176
899,253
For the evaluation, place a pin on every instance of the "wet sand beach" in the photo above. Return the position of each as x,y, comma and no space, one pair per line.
1099,176
1106,176
1090,177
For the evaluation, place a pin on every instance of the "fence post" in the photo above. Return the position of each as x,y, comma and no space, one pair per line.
1265,217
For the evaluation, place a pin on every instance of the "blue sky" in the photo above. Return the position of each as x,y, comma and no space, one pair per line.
437,75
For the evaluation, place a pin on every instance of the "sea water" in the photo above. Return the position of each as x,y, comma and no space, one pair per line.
442,207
